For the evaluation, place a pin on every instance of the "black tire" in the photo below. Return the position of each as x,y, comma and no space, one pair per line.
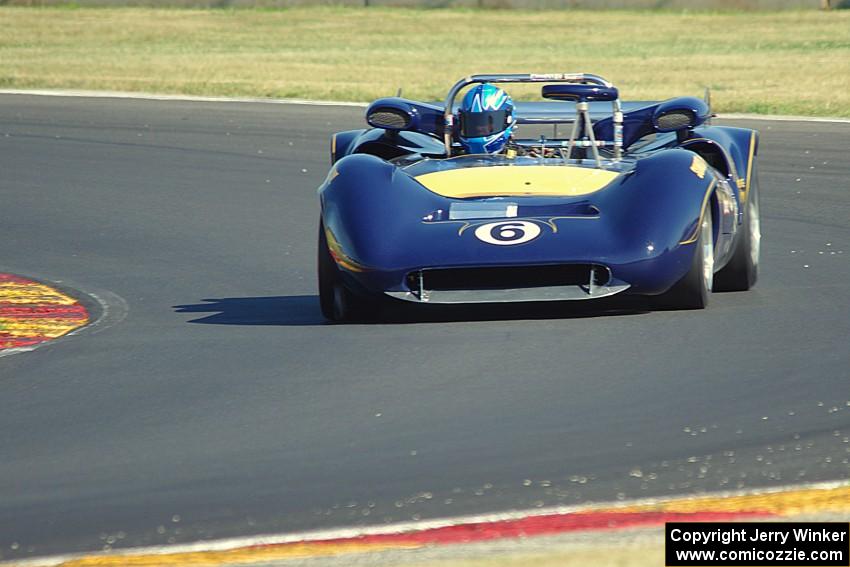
691,292
338,303
742,271
329,276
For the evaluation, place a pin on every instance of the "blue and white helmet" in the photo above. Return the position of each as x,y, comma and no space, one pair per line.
486,117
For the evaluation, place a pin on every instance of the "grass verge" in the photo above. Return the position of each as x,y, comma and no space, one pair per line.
769,63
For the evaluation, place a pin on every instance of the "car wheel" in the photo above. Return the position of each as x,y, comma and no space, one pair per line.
351,306
691,292
329,278
338,303
344,304
742,271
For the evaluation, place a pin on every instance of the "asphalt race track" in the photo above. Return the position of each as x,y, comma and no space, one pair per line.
213,401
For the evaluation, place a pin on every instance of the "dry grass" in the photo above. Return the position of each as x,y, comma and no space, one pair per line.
785,63
602,555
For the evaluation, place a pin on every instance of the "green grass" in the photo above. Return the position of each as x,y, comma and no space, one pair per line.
777,63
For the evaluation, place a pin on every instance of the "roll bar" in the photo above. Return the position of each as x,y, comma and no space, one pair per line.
581,107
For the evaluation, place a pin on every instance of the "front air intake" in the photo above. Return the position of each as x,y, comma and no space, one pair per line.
508,277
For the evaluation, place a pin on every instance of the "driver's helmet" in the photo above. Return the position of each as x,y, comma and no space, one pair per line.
486,117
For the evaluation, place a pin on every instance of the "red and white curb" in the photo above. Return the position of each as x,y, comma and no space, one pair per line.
778,503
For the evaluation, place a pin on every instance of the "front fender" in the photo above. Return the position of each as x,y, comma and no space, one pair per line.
370,206
664,200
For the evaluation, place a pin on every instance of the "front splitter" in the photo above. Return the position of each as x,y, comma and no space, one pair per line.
517,295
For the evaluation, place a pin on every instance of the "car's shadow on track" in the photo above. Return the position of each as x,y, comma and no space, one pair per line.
303,310
286,310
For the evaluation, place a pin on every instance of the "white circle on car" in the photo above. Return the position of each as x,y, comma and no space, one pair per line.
507,233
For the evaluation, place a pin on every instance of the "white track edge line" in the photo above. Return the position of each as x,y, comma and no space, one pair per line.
181,98
17,350
402,527
309,102
781,118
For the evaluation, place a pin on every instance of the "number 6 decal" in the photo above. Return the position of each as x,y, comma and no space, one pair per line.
507,233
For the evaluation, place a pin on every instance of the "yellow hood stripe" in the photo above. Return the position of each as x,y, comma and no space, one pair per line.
529,180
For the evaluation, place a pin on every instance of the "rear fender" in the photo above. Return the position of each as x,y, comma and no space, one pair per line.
341,143
388,144
741,146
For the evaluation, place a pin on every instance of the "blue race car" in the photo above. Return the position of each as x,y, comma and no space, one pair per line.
442,205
